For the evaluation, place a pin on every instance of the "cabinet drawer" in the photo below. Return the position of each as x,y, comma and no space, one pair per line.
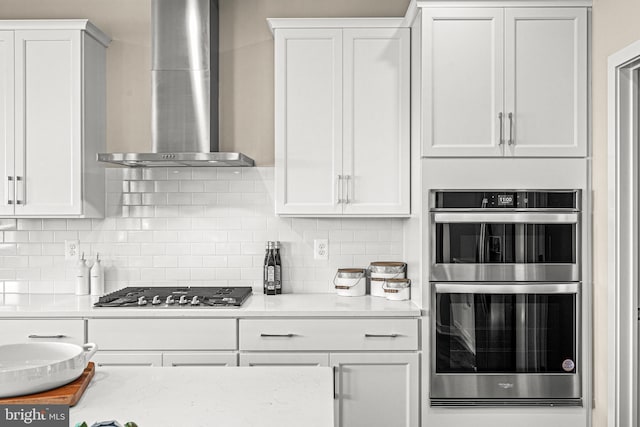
39,330
328,334
163,334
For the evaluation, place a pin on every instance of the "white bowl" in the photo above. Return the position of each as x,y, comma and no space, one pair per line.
35,367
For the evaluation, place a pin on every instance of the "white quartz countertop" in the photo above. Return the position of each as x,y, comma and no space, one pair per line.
258,305
209,396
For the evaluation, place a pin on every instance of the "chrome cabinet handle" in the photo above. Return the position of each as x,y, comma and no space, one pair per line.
501,140
21,200
10,190
340,201
278,335
60,336
347,178
381,335
511,141
335,371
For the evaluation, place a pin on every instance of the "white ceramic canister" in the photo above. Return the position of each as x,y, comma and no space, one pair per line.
350,282
397,289
388,270
376,286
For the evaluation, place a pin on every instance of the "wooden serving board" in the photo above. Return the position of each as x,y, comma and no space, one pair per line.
68,394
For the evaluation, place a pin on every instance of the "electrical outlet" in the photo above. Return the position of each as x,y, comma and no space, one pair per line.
321,249
71,250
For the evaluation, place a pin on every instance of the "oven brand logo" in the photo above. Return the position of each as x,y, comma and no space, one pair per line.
34,415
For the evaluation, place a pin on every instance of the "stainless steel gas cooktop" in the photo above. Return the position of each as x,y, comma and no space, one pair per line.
170,297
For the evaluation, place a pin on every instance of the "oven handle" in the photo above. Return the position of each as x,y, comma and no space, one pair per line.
511,218
502,288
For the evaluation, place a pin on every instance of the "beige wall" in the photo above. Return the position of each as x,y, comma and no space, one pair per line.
615,25
246,62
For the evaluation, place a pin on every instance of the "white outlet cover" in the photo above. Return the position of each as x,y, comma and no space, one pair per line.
71,250
321,249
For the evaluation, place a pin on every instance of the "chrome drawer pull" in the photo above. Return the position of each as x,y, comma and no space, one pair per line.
277,335
381,335
48,336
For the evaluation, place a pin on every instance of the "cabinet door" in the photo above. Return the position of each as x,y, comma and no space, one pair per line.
376,129
6,122
546,81
308,128
127,358
463,81
199,358
284,359
48,118
376,389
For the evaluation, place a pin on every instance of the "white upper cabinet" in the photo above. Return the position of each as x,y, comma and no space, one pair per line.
342,119
52,118
505,82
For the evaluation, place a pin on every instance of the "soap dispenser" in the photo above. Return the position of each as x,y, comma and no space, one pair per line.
82,277
97,277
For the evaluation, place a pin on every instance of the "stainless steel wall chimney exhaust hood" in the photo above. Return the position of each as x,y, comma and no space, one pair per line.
185,90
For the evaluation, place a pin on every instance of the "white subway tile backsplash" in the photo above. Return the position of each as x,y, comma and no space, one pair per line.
154,174
27,249
32,224
167,187
179,198
8,249
191,186
190,226
179,174
16,236
7,224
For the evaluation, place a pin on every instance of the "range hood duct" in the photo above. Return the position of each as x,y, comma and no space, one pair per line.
184,91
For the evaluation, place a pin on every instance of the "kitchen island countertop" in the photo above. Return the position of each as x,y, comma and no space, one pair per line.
258,305
209,396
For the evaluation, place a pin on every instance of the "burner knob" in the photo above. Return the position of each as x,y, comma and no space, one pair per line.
170,300
142,301
156,300
195,301
183,300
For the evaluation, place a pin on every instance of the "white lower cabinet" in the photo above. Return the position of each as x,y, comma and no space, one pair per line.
375,362
41,330
376,389
164,342
168,358
284,359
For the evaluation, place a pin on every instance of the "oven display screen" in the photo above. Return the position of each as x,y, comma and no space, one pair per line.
505,200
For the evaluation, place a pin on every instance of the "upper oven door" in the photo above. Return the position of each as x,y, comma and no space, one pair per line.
505,246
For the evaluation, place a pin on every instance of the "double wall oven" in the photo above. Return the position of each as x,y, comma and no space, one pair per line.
505,297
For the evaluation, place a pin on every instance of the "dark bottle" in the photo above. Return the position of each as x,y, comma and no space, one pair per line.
276,248
270,270
264,269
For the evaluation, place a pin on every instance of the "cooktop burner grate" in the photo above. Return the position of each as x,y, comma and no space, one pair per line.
176,297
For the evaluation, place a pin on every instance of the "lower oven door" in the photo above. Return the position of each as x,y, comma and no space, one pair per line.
503,343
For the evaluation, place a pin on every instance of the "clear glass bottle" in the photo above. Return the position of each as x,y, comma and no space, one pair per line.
278,266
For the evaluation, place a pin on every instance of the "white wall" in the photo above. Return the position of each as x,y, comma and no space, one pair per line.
190,226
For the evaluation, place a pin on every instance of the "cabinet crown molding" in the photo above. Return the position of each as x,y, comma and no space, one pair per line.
277,23
56,24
